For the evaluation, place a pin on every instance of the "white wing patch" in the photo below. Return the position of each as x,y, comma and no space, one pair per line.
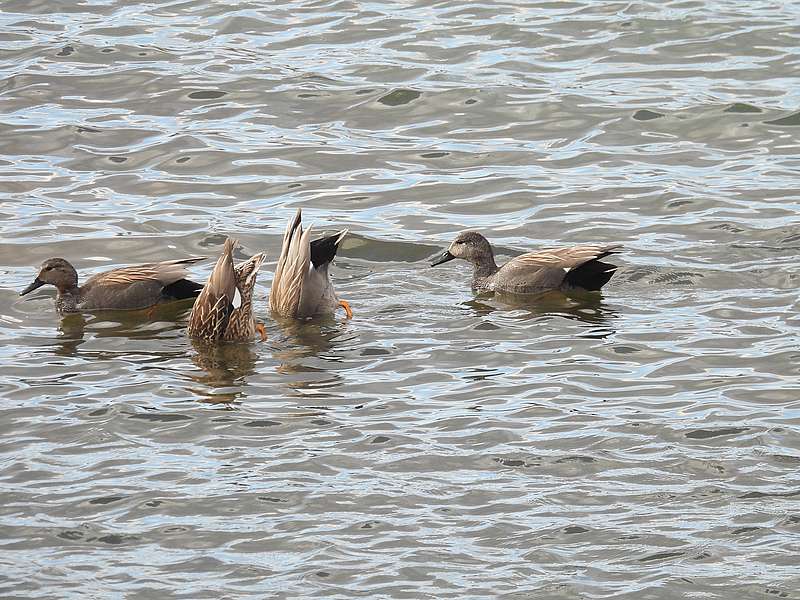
237,298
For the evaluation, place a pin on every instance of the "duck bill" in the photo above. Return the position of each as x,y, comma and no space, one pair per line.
442,258
37,283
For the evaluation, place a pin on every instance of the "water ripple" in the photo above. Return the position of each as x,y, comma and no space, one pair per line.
441,444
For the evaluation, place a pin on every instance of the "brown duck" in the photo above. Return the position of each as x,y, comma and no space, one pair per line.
224,310
127,288
577,267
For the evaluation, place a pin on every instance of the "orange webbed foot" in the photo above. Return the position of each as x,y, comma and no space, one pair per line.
346,306
261,331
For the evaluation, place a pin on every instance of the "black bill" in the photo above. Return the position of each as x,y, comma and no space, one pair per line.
37,283
443,258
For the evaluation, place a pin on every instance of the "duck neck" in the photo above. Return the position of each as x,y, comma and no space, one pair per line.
67,299
483,268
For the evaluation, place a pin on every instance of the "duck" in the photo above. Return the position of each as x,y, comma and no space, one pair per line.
302,287
223,312
126,288
576,267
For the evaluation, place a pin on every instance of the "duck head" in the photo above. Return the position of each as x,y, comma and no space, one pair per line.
54,271
469,245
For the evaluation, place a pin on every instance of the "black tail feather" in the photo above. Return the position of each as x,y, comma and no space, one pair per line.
591,275
182,289
324,249
296,222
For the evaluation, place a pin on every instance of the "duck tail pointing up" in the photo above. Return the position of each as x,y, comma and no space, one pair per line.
323,250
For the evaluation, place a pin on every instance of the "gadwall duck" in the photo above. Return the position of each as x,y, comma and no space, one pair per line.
578,267
302,286
127,288
223,312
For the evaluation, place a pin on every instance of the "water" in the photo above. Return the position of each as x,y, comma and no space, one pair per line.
640,444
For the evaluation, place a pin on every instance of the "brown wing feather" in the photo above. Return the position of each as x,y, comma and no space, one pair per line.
546,269
212,309
166,272
241,325
562,258
293,265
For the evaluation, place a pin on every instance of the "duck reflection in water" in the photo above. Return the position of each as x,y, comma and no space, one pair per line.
304,348
70,335
584,307
224,368
145,324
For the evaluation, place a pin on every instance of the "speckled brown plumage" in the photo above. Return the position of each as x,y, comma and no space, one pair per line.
224,311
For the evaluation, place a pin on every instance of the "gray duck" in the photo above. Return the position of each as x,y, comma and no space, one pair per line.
302,286
576,267
126,288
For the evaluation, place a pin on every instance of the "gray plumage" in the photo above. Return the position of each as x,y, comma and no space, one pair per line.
576,267
302,286
126,288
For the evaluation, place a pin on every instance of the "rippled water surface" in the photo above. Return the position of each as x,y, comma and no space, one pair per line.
642,443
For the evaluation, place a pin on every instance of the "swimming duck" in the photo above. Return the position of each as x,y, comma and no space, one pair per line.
302,286
224,309
126,288
551,269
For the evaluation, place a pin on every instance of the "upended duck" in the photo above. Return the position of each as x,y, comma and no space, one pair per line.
223,312
302,286
577,267
126,288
